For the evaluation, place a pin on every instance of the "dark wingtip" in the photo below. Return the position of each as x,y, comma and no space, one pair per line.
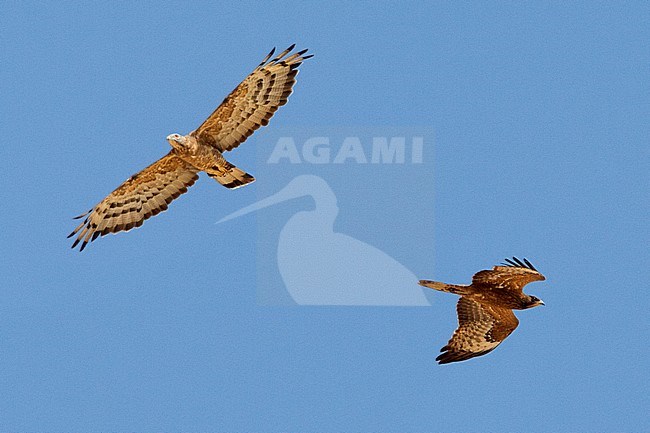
516,263
445,358
530,265
266,59
75,244
82,215
291,47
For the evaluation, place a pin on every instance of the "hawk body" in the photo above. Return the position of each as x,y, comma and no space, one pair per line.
485,316
149,192
209,160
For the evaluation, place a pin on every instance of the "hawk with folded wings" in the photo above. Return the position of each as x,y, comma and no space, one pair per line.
147,193
485,316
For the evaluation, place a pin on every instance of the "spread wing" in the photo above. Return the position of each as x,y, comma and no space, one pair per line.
481,328
140,197
252,103
513,275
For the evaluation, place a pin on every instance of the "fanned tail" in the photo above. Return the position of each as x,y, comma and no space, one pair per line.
231,177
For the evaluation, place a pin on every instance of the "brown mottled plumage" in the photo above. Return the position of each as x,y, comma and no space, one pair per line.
145,194
485,316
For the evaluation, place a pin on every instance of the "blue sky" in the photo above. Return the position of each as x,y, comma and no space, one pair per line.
537,146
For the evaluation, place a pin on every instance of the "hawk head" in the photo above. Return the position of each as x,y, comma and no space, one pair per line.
178,141
534,302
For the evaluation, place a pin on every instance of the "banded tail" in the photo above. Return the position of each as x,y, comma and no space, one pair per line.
230,176
443,287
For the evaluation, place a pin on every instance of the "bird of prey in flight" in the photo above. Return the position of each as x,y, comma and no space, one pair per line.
485,316
147,193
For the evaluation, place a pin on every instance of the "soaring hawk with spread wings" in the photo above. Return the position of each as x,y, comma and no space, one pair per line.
485,316
147,193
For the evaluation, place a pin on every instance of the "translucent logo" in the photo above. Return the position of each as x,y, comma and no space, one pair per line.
340,212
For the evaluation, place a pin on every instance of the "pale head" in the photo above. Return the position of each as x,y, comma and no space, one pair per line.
177,141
